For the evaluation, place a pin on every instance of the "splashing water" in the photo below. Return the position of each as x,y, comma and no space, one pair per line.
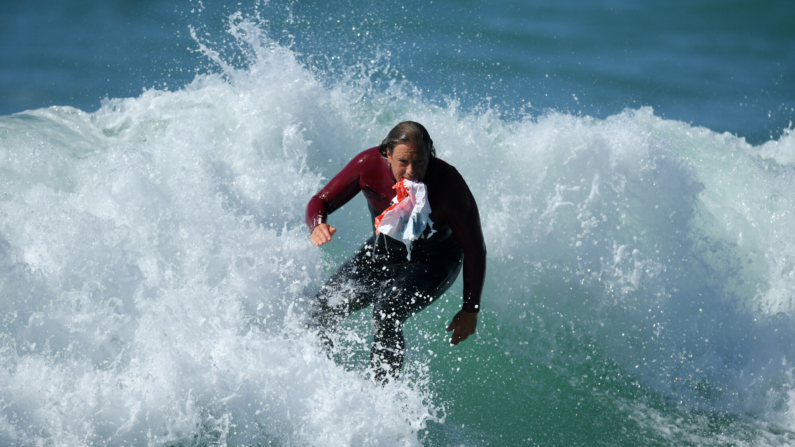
155,271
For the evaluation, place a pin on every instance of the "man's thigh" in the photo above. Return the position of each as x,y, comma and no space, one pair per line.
416,287
356,284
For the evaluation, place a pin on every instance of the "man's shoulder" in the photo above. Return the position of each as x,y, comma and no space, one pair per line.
365,161
445,173
372,154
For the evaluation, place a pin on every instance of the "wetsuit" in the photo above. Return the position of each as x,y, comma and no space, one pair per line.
379,272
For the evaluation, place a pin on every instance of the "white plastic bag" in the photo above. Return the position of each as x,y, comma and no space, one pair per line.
408,216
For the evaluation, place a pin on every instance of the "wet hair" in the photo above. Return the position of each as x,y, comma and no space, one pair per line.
408,132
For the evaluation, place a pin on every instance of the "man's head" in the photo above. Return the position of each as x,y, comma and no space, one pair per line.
408,148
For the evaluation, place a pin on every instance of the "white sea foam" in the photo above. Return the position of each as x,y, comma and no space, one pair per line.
665,244
155,265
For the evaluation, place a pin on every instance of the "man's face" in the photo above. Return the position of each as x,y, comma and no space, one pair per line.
408,162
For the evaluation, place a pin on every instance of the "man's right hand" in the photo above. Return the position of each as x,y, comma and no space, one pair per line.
322,234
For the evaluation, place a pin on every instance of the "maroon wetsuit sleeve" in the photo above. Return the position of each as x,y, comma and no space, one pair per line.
461,214
342,188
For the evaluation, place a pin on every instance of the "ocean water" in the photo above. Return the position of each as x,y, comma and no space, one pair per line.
633,165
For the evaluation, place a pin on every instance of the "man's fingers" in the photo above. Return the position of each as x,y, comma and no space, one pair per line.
328,231
453,325
462,332
458,336
463,325
322,234
318,238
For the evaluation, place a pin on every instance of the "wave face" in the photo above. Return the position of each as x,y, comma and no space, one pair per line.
155,272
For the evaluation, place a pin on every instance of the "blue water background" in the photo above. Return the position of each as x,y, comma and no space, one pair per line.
728,66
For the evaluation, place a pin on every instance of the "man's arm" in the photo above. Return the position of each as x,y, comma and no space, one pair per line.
341,189
461,214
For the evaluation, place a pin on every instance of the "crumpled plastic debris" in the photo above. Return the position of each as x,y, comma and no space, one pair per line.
408,216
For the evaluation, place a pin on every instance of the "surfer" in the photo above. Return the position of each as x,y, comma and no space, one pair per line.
401,277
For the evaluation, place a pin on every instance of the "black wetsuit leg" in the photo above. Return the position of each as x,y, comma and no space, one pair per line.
352,287
380,274
417,285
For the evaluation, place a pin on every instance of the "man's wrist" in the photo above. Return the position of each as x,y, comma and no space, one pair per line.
471,308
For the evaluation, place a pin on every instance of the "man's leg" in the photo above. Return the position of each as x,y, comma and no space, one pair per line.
352,287
416,287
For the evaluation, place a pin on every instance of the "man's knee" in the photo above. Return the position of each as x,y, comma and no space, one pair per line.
402,304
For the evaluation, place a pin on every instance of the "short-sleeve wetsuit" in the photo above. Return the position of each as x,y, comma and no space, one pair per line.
379,272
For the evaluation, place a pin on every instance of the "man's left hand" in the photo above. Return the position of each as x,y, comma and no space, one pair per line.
463,325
